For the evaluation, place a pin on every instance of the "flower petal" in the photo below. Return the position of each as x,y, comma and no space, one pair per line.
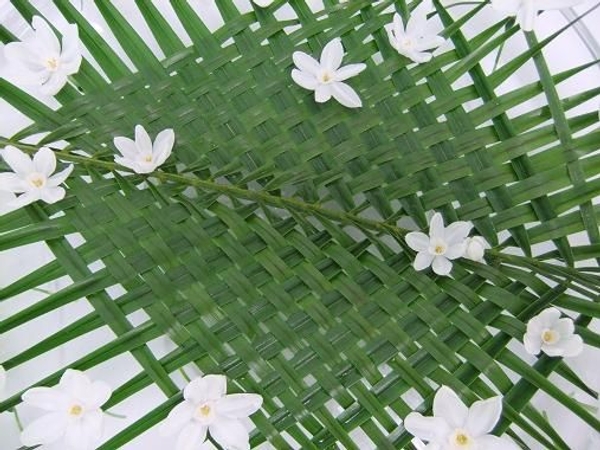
209,387
45,430
429,43
549,317
60,177
126,147
191,437
417,241
490,442
125,162
434,429
18,161
344,94
455,250
349,71
26,56
70,57
436,226
322,93
52,194
423,260
44,161
399,29
332,55
49,399
85,433
45,36
554,350
526,16
572,346
143,141
54,84
11,182
304,79
163,145
237,406
545,5
306,63
565,326
448,406
532,343
25,199
230,434
457,232
75,383
177,418
483,416
418,18
441,265
97,395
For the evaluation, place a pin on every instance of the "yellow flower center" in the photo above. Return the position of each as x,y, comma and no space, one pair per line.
148,158
461,439
326,77
36,180
75,410
407,43
549,336
204,410
439,249
52,64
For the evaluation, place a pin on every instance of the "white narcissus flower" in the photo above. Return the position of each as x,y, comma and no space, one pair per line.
207,408
141,155
456,427
33,179
74,413
526,11
442,245
475,248
326,77
554,336
43,56
414,39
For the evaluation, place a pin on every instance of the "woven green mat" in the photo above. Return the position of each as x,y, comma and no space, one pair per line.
268,247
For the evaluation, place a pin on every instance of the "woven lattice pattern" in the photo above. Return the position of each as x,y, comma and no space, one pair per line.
269,249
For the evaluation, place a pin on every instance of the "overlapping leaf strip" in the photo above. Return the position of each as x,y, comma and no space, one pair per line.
330,324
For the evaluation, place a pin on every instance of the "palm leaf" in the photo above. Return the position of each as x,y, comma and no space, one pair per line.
269,248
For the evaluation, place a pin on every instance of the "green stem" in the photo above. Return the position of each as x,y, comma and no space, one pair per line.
117,416
17,419
185,376
234,191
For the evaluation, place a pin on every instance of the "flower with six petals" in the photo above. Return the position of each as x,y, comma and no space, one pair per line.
526,11
326,77
441,246
45,58
208,409
417,37
454,426
74,413
554,336
32,178
141,155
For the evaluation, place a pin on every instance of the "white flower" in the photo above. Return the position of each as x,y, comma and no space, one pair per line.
43,56
141,155
526,11
475,248
263,3
456,427
326,77
442,244
207,408
74,413
552,335
33,178
417,36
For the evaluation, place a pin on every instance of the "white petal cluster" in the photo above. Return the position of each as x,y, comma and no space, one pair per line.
526,11
551,334
414,39
141,155
326,77
73,412
454,426
33,178
208,409
44,58
445,244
